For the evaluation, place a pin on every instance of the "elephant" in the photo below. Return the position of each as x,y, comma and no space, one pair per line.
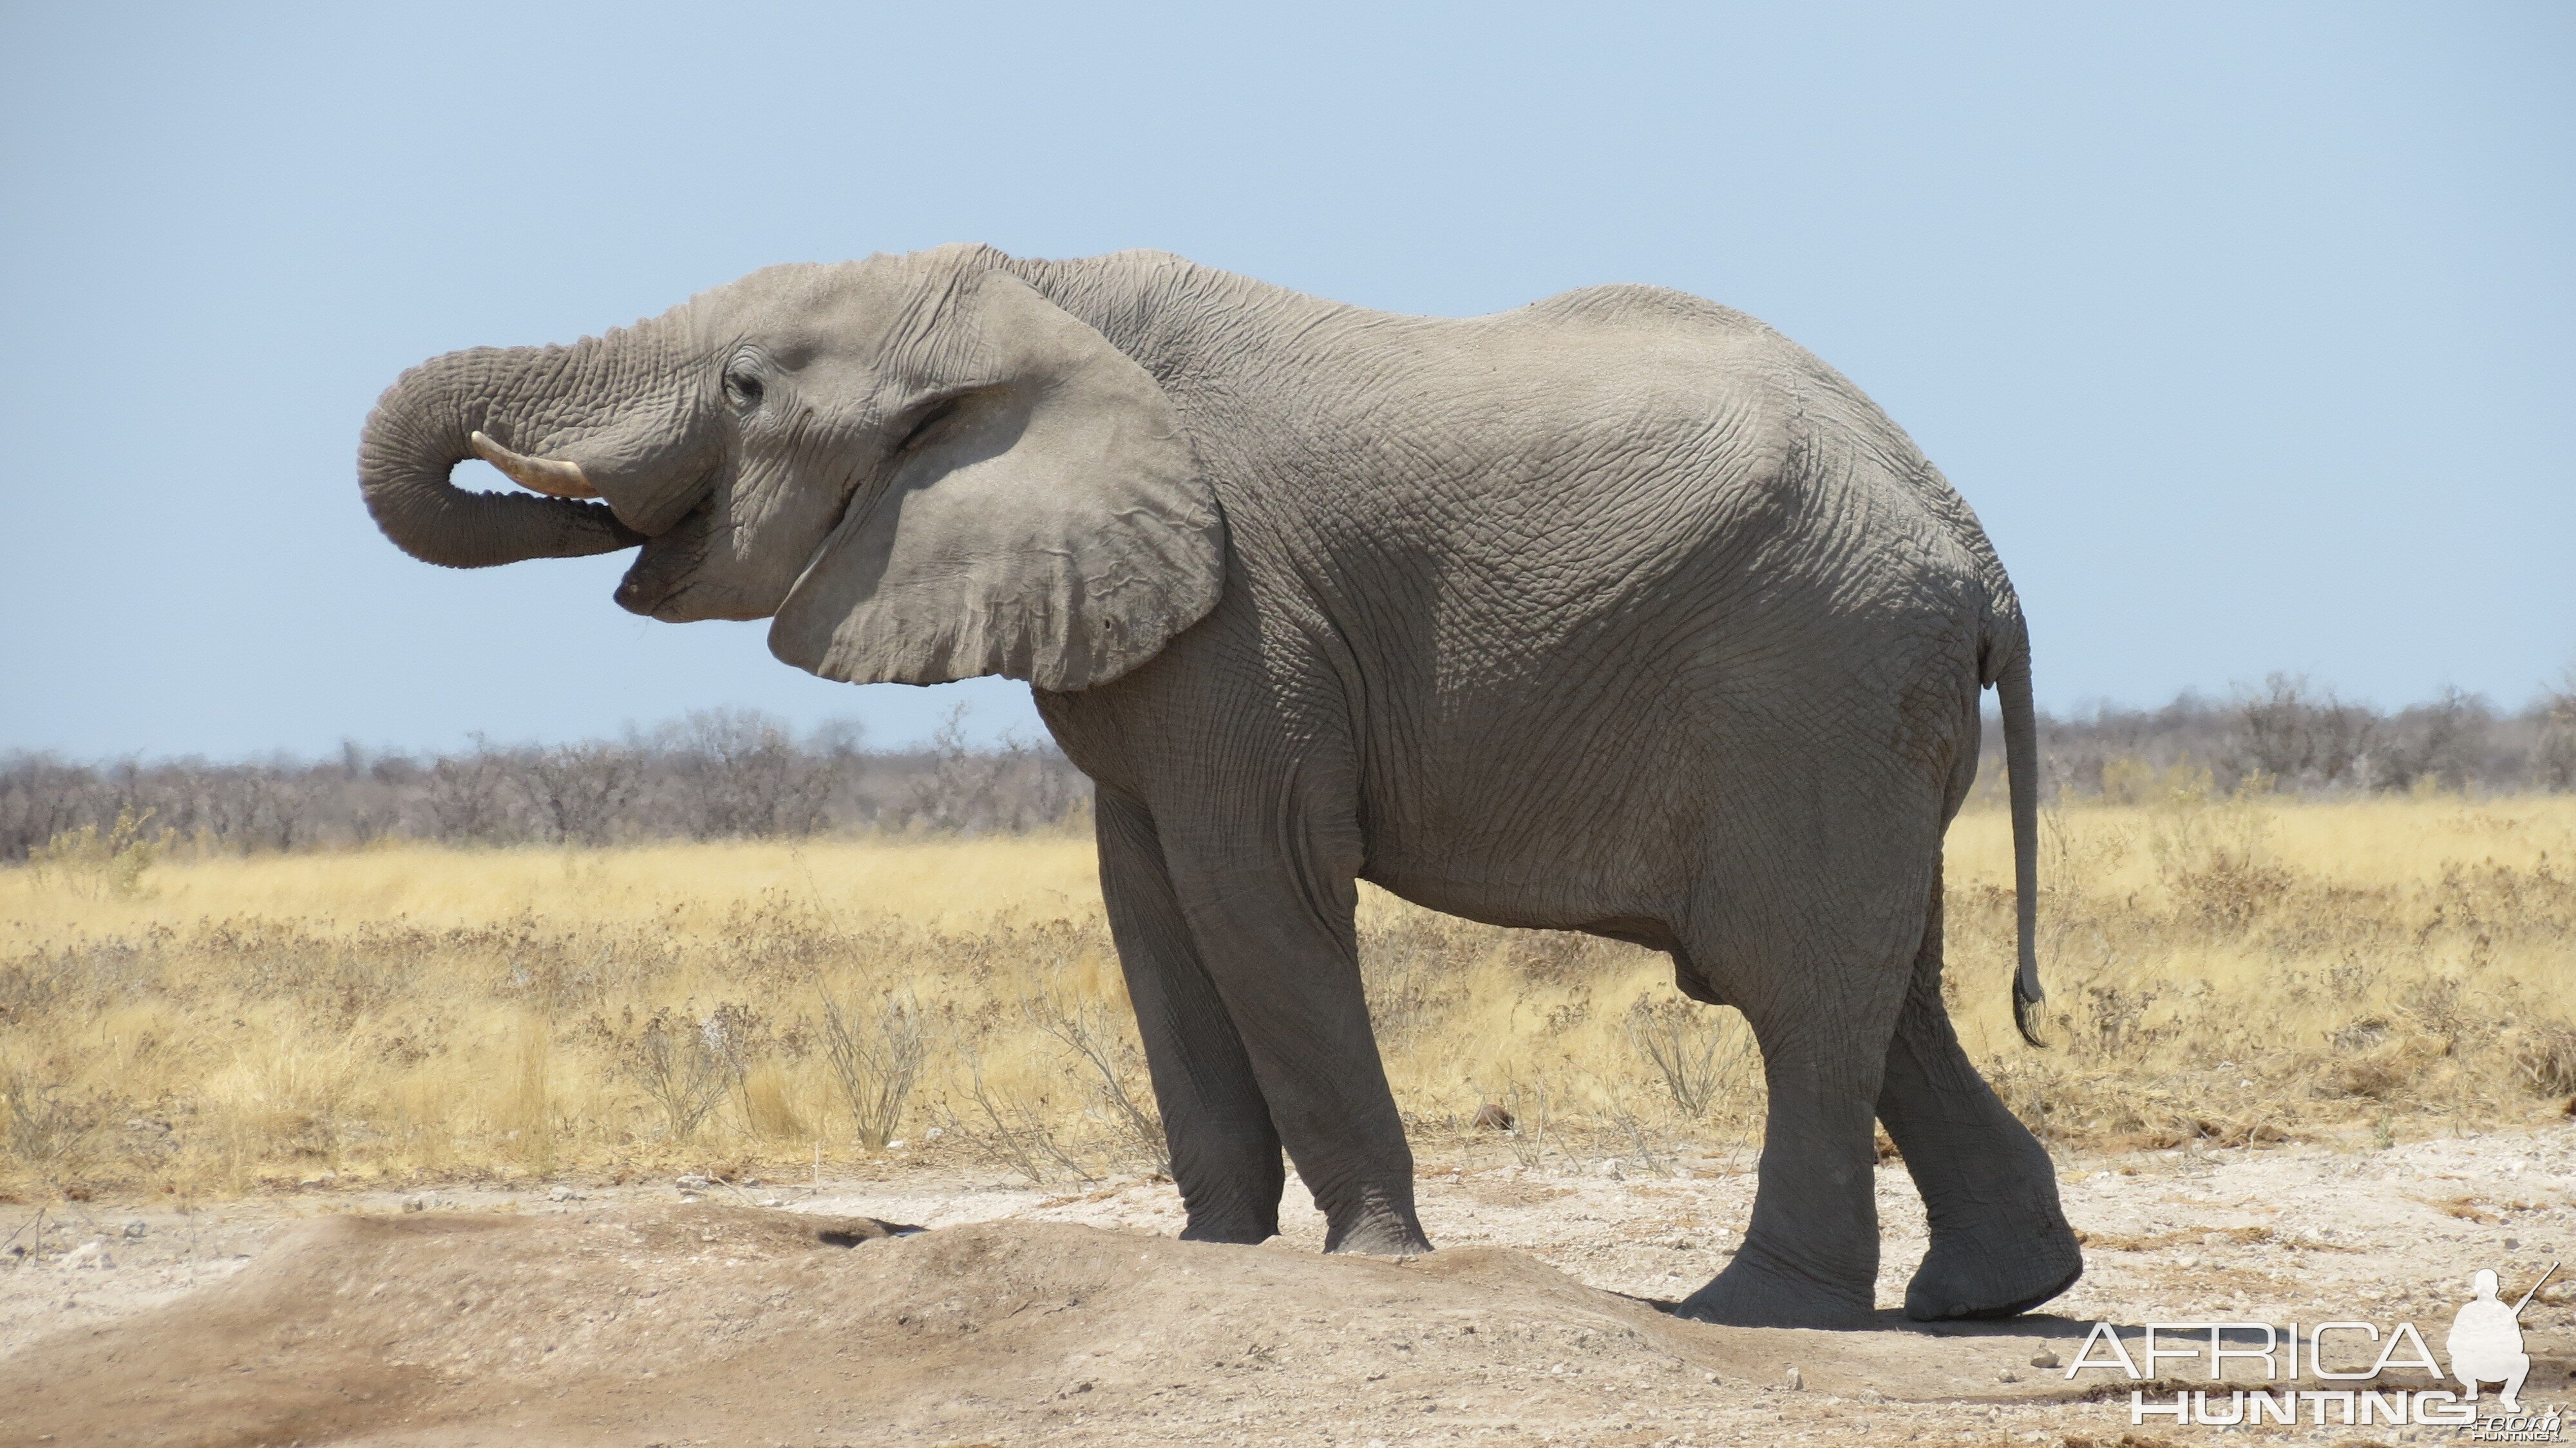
1617,613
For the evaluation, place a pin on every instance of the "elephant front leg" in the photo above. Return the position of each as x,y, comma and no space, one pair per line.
1288,969
1225,1153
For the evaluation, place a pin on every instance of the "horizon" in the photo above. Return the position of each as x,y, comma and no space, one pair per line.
850,731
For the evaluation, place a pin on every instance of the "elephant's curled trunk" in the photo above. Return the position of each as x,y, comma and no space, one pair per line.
426,424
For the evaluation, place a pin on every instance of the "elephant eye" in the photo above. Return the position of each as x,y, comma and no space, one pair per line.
742,387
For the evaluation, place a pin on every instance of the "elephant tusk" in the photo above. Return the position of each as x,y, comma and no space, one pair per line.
550,476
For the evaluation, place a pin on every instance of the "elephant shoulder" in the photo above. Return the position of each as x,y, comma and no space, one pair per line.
1632,304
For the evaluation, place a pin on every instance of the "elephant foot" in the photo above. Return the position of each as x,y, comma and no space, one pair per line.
1379,1234
1962,1277
1240,1233
1755,1291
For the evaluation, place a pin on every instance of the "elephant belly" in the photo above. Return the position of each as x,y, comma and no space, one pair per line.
1541,823
1623,791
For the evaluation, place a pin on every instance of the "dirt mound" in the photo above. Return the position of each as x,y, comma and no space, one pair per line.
672,1324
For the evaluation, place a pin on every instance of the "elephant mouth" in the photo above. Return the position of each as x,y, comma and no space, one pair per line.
662,580
680,575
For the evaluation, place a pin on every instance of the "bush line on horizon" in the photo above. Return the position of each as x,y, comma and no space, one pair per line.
740,774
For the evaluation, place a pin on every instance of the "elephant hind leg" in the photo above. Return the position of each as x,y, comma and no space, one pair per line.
1821,999
2000,1243
1809,1257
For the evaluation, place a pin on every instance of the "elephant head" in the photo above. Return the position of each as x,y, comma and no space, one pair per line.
919,467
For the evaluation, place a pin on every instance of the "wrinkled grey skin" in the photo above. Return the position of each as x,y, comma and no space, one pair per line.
1616,613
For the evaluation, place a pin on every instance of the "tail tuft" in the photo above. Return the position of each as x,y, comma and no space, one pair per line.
2023,1020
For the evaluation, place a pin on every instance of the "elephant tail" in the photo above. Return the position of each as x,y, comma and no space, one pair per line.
2021,764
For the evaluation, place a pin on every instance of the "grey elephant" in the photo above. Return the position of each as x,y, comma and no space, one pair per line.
1618,613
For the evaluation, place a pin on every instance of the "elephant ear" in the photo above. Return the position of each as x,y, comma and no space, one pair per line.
1054,527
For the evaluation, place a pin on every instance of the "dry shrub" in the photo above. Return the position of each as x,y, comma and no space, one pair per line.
1011,1130
2378,1074
2545,1054
1691,1048
46,1122
100,863
1101,1035
685,1066
876,1056
2230,893
1531,1114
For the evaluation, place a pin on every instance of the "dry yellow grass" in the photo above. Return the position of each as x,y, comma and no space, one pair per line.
2240,970
2253,969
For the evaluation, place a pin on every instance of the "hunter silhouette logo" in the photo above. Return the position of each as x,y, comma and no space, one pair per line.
2485,1344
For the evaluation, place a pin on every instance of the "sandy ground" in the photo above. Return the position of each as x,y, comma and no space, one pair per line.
781,1313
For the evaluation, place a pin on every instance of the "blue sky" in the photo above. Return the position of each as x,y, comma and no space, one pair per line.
2250,330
